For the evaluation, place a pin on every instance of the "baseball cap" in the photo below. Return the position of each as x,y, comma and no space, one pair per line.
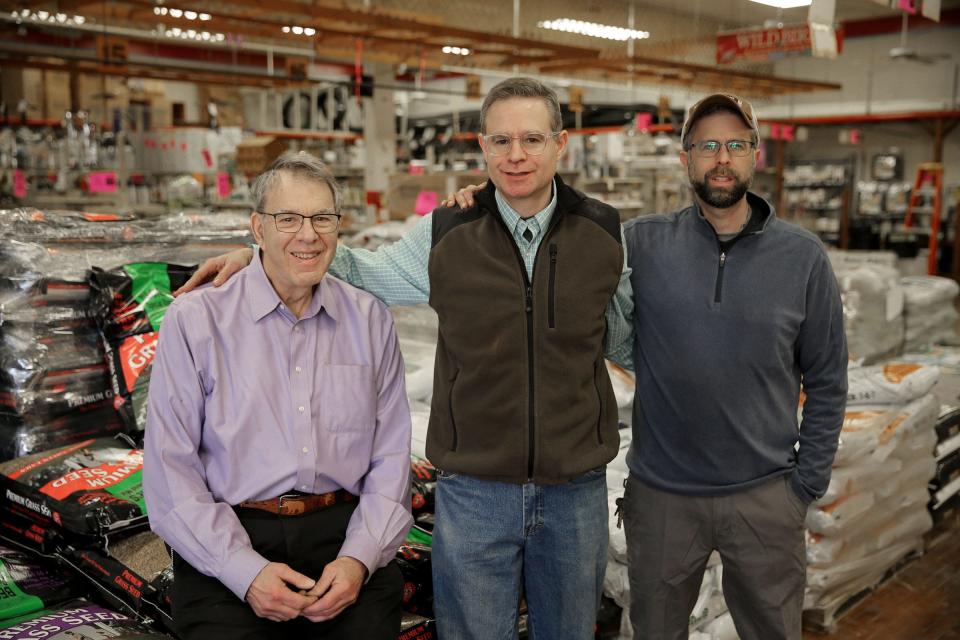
735,104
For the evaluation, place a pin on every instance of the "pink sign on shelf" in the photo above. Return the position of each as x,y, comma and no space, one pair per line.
223,184
19,184
643,121
427,201
415,170
910,6
102,181
207,158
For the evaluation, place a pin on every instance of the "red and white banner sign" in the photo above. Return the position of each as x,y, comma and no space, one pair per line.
766,44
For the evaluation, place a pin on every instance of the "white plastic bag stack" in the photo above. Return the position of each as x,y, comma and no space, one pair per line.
710,604
874,512
929,310
872,303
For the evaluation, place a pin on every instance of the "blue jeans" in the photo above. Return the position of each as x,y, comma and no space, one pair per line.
494,542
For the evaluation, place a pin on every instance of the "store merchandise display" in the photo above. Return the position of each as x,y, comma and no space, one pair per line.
55,386
945,484
872,303
929,310
874,513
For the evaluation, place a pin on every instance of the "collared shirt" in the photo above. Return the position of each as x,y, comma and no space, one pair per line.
536,224
397,273
248,402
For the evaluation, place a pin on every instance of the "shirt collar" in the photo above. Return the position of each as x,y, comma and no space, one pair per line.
263,298
517,224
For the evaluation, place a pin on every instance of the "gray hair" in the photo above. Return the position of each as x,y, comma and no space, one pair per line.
299,163
523,88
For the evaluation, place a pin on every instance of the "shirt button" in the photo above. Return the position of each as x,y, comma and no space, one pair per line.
300,409
298,369
305,450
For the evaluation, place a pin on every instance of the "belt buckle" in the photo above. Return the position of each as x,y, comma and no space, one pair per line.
295,508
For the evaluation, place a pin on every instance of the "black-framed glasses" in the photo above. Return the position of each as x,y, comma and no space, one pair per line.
532,142
710,148
289,222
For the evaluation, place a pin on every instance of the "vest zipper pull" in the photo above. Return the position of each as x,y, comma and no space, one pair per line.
529,299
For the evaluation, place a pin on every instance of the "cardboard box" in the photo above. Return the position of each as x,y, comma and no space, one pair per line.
255,154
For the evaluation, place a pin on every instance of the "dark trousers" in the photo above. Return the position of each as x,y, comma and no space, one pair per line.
204,609
759,534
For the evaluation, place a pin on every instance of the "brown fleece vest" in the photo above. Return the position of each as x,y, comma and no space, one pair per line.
520,387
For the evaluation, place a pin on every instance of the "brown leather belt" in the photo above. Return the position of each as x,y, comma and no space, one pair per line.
295,504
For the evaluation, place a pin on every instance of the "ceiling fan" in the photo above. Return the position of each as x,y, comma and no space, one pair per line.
904,52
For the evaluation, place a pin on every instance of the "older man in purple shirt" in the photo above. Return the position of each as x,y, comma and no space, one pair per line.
278,438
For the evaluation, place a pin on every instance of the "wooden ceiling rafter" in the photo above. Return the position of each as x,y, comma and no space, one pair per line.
394,39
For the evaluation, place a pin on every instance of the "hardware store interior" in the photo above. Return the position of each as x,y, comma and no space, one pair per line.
131,134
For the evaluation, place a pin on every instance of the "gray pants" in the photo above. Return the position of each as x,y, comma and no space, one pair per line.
759,534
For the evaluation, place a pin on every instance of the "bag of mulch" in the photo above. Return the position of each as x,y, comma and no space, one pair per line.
423,485
24,529
27,435
894,383
88,488
126,569
133,298
416,627
29,584
131,302
415,566
77,620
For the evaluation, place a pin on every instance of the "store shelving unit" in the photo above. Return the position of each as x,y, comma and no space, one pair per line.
817,196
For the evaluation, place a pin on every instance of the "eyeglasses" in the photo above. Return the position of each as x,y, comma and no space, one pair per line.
710,148
291,222
532,142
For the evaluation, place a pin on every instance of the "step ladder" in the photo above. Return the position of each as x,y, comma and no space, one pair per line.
928,172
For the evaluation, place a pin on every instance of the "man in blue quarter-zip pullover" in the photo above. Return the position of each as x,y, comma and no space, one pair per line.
735,311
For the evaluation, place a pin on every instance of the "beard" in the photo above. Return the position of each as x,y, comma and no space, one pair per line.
720,198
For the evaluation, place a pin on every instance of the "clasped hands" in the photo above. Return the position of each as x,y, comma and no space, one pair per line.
279,593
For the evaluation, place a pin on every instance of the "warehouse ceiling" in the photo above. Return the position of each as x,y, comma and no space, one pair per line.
260,42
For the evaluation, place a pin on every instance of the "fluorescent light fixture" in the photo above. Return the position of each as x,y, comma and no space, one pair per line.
204,16
176,13
298,30
309,31
190,15
609,32
286,29
79,19
784,4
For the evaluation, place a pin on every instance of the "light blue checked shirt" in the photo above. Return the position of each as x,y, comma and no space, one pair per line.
397,273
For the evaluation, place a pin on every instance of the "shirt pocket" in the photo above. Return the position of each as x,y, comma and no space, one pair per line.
348,396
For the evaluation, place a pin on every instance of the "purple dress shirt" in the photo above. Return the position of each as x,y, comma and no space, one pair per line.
247,402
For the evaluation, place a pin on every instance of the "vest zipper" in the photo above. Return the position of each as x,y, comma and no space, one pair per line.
719,288
552,290
530,402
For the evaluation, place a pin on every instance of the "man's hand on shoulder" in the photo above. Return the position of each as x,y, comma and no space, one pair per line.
271,597
464,197
337,589
219,269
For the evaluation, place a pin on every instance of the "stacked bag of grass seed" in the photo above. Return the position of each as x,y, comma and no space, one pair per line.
874,513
